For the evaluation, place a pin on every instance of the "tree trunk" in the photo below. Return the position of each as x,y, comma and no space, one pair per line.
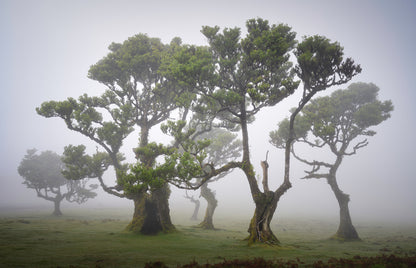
346,230
151,210
161,198
57,207
139,214
151,213
206,193
194,216
259,228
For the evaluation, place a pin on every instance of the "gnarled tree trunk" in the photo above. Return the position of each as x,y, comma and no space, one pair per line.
346,230
206,193
139,215
151,213
161,198
259,229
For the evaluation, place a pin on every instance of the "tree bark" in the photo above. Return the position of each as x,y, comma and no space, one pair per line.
266,203
161,198
139,214
151,213
151,210
346,230
259,228
57,207
206,193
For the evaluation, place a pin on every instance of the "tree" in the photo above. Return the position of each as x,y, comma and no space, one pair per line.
252,73
337,122
224,147
44,173
138,96
255,72
197,203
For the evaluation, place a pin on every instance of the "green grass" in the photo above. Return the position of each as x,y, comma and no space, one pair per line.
94,239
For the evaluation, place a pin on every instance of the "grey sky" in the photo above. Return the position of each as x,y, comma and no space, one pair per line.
48,46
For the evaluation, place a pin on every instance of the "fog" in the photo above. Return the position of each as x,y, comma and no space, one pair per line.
48,46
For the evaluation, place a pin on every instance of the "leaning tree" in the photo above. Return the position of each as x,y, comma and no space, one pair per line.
44,172
255,72
337,122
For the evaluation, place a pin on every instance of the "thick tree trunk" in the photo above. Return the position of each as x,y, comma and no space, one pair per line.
346,230
151,213
259,228
151,210
57,207
206,193
161,198
139,215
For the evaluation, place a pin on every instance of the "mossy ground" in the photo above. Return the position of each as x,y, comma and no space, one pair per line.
98,239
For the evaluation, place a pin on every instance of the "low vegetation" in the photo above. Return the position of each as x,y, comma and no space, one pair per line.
98,239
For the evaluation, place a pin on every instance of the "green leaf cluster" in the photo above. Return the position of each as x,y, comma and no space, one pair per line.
254,70
79,165
321,63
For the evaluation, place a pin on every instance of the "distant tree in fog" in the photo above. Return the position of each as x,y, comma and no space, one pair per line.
197,203
336,122
224,147
44,173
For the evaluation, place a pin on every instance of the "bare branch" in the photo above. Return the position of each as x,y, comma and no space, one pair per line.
213,173
359,145
316,176
265,167
109,190
311,163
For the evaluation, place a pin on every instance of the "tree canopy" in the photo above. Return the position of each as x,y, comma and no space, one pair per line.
338,119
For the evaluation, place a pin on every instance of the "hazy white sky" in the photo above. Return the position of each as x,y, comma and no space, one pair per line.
48,46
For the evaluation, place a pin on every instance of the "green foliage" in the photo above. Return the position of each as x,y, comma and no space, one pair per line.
321,63
139,57
79,165
251,71
337,121
347,114
146,80
83,116
279,137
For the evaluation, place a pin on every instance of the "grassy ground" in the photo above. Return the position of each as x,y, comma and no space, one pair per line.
97,239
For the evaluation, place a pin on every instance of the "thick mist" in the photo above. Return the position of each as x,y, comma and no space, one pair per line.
48,47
